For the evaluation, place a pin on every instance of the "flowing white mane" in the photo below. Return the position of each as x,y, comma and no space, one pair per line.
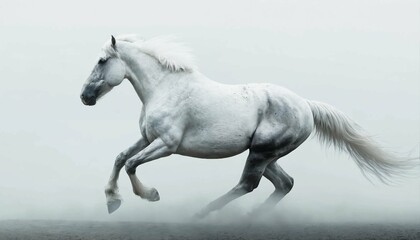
173,55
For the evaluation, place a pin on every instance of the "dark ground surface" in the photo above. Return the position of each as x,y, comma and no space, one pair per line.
16,229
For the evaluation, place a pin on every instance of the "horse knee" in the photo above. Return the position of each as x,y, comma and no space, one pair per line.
120,160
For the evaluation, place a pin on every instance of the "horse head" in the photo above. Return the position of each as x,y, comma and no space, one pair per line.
107,73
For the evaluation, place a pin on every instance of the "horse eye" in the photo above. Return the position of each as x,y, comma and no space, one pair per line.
102,61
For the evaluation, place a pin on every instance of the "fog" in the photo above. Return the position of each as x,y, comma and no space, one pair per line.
56,154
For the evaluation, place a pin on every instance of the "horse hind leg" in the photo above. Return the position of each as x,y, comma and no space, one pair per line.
254,168
267,146
282,182
281,145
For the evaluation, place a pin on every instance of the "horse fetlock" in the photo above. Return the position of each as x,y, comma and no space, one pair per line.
153,195
111,191
150,194
112,197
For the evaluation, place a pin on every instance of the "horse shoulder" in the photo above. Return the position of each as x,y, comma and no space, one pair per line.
162,121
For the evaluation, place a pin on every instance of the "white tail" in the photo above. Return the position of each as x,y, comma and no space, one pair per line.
335,128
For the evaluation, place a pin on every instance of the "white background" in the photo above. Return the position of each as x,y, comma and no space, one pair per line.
56,154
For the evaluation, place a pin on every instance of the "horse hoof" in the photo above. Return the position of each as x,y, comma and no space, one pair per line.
113,205
153,195
200,215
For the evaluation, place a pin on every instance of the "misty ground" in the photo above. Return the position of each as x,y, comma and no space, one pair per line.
40,229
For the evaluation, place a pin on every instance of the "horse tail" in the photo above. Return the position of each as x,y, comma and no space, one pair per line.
334,128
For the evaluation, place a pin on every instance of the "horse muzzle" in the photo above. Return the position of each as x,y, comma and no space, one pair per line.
88,100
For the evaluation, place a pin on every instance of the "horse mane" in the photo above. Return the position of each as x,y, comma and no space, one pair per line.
171,54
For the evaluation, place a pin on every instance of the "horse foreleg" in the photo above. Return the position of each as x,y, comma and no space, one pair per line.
251,176
111,190
157,149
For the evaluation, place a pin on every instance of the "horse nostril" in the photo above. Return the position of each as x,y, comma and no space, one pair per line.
88,99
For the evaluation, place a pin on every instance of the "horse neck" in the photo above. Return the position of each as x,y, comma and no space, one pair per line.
143,71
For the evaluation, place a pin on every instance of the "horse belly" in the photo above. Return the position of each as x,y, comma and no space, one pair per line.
216,141
221,121
205,148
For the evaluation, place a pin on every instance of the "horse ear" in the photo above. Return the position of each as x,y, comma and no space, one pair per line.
113,41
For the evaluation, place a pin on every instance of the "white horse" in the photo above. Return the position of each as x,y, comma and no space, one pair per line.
186,113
